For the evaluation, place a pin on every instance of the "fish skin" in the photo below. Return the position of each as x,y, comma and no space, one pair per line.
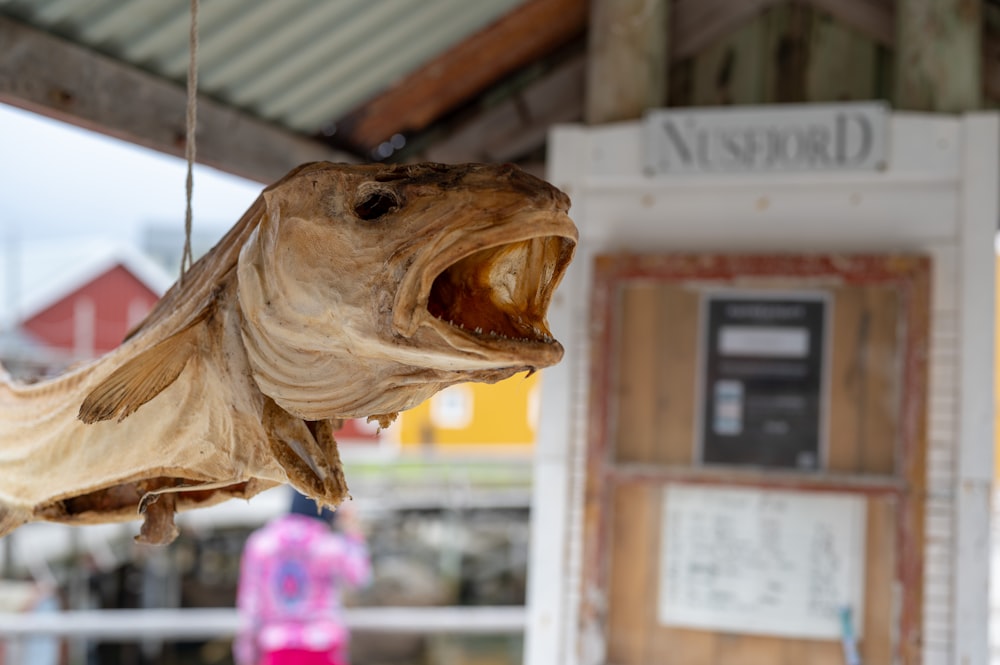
316,306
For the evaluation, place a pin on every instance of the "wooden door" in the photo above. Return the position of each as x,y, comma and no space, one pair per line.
648,360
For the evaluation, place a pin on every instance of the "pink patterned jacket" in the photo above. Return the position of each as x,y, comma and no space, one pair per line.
291,578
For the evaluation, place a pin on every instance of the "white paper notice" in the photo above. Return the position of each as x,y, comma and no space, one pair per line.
771,562
763,341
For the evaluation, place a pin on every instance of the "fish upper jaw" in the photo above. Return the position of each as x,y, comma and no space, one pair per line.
481,302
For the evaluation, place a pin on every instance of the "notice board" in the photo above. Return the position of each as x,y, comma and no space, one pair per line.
761,561
692,557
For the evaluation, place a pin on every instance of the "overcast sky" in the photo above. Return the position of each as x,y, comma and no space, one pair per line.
60,181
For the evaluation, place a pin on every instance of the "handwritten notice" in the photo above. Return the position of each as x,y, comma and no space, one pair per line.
769,562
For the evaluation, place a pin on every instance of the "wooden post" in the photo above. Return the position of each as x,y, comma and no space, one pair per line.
938,55
628,59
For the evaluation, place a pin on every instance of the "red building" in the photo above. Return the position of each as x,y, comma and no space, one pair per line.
65,302
93,318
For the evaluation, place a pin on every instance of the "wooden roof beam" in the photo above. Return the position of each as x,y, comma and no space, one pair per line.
56,78
518,125
874,19
695,24
513,41
698,23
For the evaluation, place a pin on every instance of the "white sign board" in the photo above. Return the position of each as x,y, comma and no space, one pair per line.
802,137
770,562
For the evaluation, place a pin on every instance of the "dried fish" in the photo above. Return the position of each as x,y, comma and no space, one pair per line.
344,291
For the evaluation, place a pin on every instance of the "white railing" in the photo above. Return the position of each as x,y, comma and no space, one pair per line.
136,624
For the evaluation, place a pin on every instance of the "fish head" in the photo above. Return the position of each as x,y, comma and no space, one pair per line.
365,289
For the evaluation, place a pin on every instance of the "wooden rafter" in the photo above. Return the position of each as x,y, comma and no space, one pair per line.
518,125
60,79
439,86
697,23
874,19
991,65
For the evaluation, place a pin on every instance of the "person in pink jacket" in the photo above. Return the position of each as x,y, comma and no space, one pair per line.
292,574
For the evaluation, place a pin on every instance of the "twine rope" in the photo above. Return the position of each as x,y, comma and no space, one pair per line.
189,142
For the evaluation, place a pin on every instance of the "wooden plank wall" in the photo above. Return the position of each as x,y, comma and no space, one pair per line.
787,53
651,365
830,50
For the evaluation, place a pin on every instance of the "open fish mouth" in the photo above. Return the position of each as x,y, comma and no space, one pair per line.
499,292
491,300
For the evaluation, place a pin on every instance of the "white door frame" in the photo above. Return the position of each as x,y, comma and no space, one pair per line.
937,196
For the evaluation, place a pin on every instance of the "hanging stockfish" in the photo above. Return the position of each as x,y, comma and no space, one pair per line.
343,292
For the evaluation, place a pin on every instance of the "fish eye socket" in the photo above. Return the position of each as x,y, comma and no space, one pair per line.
375,203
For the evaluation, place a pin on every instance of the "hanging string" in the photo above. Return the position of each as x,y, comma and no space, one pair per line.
189,143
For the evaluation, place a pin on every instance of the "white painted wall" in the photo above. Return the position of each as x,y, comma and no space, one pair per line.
938,196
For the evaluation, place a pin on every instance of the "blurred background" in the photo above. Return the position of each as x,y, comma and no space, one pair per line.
92,135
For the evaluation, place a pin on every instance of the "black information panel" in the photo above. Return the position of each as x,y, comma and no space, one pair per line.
763,378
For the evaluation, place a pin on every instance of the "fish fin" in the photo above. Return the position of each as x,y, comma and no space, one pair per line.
140,379
307,452
12,517
336,485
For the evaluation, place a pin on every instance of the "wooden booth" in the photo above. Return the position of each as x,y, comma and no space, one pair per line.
771,440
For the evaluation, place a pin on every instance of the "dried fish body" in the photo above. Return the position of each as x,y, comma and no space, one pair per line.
344,291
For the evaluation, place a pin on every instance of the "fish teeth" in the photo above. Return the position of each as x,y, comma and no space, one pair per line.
539,335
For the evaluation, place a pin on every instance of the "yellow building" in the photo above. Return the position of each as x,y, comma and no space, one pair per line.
477,415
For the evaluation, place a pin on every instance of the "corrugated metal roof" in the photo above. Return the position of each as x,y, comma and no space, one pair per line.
298,63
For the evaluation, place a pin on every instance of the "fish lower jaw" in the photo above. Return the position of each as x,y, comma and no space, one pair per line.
479,349
538,334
